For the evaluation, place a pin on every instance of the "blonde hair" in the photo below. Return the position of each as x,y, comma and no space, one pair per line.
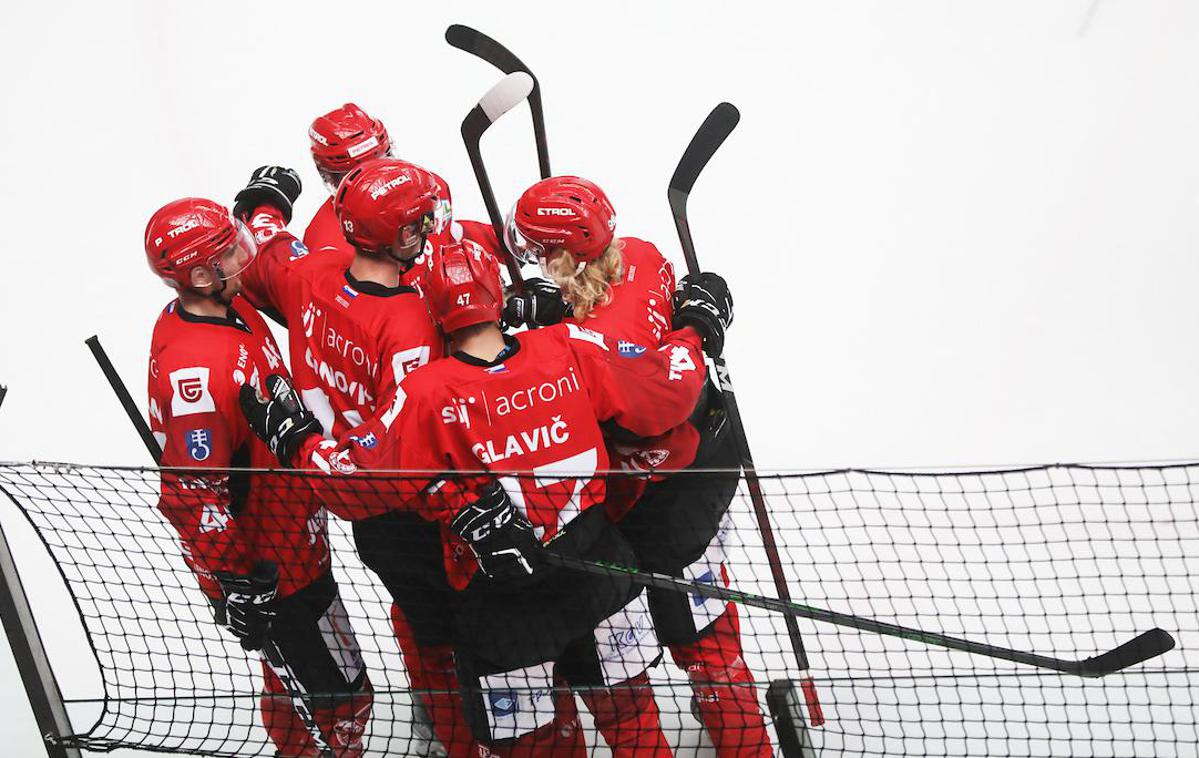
591,286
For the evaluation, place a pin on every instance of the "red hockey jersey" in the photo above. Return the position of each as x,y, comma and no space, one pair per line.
639,312
350,341
640,308
324,231
537,410
226,523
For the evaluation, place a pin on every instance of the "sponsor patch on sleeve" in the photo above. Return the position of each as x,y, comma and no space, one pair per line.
629,349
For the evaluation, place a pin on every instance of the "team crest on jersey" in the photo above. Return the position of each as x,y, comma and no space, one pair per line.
298,250
365,441
199,444
629,349
190,392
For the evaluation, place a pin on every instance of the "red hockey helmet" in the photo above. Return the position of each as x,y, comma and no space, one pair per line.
191,232
380,197
463,286
343,138
562,211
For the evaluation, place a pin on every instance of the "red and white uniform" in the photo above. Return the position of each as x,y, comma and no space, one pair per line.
197,367
641,307
350,342
539,410
640,304
324,231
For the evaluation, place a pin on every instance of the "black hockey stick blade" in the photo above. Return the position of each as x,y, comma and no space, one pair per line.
711,135
503,97
3,392
480,45
1142,648
1137,650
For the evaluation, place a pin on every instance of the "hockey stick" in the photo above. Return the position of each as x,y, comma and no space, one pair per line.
479,44
114,381
1141,648
503,97
270,652
3,392
712,133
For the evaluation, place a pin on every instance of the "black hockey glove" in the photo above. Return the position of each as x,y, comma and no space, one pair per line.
541,304
248,611
501,537
275,186
281,420
704,302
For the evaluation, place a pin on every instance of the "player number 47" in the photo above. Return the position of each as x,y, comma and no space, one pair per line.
464,298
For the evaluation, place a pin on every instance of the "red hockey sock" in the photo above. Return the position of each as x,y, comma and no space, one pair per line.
431,668
561,738
627,716
342,726
724,689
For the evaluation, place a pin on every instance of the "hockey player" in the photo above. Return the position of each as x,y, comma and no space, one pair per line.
343,139
624,289
528,410
355,329
258,546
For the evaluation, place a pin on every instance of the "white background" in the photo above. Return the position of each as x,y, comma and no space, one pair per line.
957,233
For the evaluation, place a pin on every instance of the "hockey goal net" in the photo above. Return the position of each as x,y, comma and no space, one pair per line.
1061,560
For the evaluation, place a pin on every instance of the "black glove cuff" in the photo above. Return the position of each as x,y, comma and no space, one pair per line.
257,195
293,439
707,324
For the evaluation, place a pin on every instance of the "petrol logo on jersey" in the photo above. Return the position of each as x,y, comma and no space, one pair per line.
629,349
199,444
190,391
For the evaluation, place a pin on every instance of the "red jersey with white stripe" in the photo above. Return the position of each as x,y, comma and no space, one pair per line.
537,409
197,367
638,313
350,341
640,309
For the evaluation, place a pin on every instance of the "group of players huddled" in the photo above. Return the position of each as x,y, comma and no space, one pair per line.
405,356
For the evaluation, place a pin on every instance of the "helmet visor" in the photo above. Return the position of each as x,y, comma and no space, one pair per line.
237,255
522,248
